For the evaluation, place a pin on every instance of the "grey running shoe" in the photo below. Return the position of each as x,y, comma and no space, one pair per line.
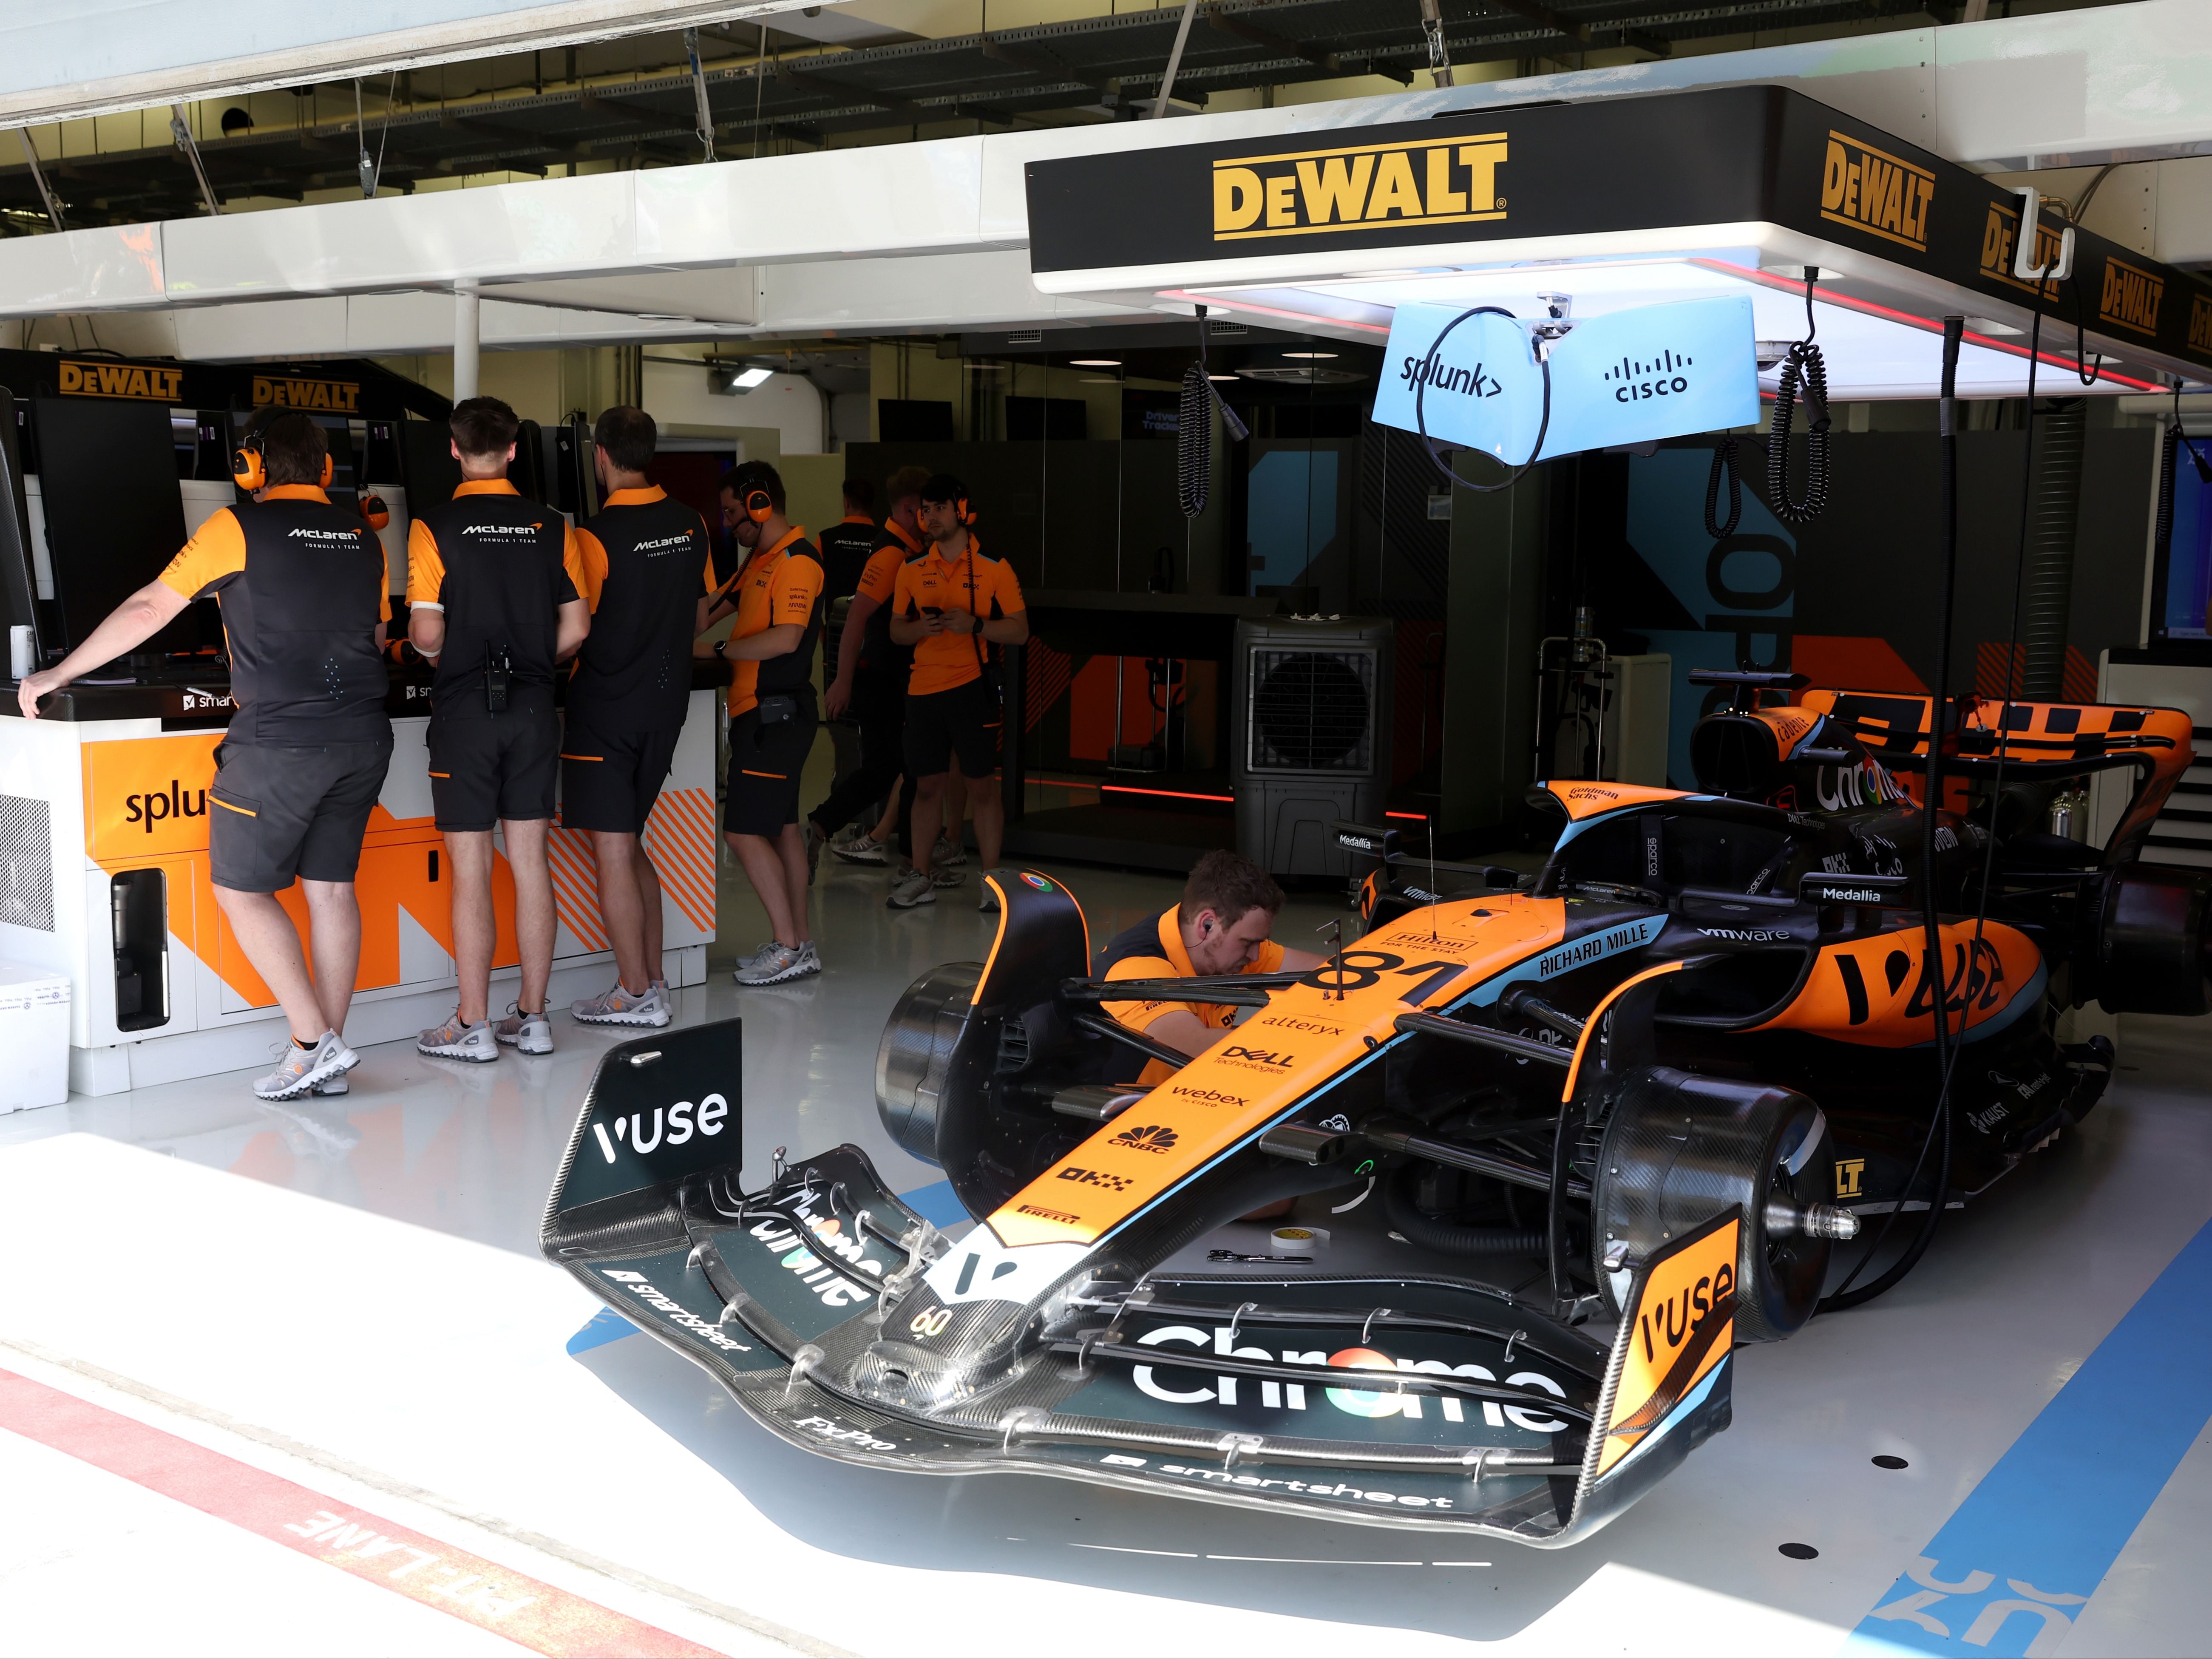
946,877
861,847
913,888
810,959
299,1070
772,964
810,838
620,1007
989,902
457,1040
531,1033
332,1085
948,853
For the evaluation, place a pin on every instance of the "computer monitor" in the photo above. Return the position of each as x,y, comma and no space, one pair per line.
2181,568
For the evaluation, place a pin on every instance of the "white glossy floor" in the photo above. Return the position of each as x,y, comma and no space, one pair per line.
294,1380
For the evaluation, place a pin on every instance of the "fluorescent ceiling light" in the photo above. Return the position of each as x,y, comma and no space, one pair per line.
1095,362
750,378
1098,379
1309,354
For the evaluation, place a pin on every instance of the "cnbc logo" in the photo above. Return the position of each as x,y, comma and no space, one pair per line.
1372,187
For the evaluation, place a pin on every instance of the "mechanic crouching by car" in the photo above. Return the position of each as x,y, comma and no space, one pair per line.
1221,927
492,596
304,597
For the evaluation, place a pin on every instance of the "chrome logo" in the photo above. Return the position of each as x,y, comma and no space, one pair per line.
1359,1401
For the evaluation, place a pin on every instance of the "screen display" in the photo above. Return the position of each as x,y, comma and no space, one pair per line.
2187,572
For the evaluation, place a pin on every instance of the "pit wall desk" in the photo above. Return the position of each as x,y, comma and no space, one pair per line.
104,876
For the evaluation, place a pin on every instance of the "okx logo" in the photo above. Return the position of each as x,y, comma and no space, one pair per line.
1152,1138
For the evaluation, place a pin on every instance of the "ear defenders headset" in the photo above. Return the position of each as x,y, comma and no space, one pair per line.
249,472
758,507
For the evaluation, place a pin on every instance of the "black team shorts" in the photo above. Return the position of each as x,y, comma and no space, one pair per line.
962,721
765,763
277,812
610,778
485,768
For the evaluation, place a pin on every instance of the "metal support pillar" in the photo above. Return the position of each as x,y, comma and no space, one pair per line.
467,339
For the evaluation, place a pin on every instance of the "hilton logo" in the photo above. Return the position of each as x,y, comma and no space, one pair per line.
1301,192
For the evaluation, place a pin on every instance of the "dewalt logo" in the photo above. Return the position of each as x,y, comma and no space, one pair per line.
1873,191
2200,322
336,397
2130,297
2000,239
121,381
1305,192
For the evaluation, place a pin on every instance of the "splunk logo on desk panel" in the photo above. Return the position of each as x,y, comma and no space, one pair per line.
178,802
148,795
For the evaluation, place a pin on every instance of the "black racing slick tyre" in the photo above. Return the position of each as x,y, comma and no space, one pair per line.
1680,1149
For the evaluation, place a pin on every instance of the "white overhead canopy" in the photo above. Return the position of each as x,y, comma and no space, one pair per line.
62,61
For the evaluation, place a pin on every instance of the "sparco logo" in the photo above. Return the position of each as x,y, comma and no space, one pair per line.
1267,1057
1207,1096
1152,1138
676,1125
1112,1183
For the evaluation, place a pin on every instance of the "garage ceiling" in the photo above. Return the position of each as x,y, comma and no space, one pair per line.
1095,68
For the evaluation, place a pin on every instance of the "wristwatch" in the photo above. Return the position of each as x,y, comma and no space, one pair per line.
719,644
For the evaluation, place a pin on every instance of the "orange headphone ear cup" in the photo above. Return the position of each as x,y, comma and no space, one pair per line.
330,469
246,470
758,507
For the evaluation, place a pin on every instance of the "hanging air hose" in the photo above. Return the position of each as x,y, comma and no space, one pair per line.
1724,462
1195,430
1803,373
1420,419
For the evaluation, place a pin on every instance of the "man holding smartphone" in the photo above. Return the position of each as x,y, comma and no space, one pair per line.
951,604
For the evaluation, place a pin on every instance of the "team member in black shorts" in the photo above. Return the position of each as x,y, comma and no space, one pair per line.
647,575
492,584
951,605
302,586
772,717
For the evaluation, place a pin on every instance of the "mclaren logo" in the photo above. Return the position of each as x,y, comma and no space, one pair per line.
1151,1137
1307,192
2130,298
1873,191
303,533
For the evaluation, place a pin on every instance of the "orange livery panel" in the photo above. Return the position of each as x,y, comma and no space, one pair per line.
1875,991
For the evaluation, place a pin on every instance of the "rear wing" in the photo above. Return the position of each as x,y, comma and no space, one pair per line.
1386,844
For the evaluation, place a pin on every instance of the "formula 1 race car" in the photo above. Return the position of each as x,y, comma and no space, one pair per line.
1556,1145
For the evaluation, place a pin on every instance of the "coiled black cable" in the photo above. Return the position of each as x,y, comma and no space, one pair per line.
1421,424
1804,373
1399,1209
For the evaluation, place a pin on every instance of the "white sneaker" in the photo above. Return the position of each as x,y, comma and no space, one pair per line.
810,959
861,847
456,1039
299,1070
947,853
531,1033
772,964
620,1007
913,888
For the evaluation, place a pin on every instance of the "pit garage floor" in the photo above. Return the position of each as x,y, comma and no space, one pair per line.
293,1379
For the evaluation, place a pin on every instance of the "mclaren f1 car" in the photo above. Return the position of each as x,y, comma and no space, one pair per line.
1557,1145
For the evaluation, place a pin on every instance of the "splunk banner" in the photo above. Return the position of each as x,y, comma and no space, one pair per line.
1623,378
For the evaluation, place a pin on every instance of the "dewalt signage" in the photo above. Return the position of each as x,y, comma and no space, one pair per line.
2130,297
1871,190
2001,243
100,380
326,397
2200,322
1441,181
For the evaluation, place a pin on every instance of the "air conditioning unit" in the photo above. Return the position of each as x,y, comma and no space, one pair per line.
1312,697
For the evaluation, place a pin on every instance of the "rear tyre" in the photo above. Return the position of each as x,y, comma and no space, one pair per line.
1680,1149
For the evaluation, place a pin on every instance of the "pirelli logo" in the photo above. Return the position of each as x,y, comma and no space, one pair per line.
335,396
1873,191
162,386
2200,322
2130,297
1306,192
2001,237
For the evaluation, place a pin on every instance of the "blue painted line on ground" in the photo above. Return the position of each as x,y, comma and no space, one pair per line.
2031,1543
936,1204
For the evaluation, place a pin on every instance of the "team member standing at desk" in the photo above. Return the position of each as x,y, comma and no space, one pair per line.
492,595
304,596
772,716
952,603
648,573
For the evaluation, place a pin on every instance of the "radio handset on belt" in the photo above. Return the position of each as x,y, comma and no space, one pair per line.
498,674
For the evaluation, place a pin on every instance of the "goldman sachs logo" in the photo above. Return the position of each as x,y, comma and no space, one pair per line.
1634,379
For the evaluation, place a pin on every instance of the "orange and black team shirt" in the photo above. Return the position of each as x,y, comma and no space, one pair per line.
643,560
879,653
499,566
984,586
779,584
1153,950
845,547
302,584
